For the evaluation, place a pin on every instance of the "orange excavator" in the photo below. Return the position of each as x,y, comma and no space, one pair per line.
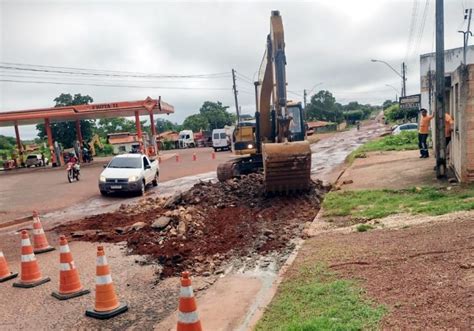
276,141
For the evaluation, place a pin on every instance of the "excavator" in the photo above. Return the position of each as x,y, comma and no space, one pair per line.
276,142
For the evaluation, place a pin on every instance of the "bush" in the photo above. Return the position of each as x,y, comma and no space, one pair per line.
106,151
394,113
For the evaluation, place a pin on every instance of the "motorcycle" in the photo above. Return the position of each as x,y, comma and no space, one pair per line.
87,156
73,171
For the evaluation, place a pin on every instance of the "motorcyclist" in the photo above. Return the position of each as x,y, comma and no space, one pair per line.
73,159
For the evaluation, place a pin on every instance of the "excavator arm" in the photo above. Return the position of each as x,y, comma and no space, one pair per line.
287,165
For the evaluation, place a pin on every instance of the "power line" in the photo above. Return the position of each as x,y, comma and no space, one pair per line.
414,18
106,73
422,27
111,85
91,79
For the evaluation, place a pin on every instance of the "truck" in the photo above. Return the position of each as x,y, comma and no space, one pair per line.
186,139
129,173
220,140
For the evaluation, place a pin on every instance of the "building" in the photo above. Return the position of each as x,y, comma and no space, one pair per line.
459,98
319,127
452,60
123,142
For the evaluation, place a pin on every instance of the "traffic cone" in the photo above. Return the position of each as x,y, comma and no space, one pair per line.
213,155
106,302
188,319
177,157
30,275
69,283
39,238
194,157
5,273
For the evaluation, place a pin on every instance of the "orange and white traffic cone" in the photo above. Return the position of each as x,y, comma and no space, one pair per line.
194,157
30,275
106,302
213,155
39,238
177,157
69,283
188,319
5,273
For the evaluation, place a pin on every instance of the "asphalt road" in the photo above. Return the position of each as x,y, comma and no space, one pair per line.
47,189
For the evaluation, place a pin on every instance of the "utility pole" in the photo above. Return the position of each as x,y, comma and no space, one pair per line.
304,98
440,102
234,87
467,15
404,80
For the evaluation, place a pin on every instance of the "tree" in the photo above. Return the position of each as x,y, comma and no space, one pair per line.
354,116
387,103
163,125
7,142
113,125
216,115
65,132
196,123
323,107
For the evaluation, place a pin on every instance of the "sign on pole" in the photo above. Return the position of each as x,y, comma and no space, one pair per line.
410,102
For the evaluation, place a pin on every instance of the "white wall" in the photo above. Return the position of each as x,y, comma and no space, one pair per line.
452,60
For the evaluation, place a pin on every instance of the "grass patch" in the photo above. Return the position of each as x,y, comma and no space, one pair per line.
364,227
407,140
315,299
371,204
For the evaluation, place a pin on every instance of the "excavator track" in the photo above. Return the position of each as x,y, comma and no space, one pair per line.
287,166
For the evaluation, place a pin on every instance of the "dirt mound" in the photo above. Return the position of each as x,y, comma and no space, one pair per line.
206,227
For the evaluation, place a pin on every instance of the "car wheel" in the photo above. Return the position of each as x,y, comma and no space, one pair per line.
215,150
141,191
103,193
155,180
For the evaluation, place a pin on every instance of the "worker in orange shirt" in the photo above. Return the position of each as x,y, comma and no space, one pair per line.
423,133
448,127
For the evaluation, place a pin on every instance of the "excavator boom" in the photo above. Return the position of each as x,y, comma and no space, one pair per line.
286,163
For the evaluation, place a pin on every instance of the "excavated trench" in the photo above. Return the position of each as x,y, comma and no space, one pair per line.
207,227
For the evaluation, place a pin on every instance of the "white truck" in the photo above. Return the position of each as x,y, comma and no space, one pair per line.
186,139
220,139
129,173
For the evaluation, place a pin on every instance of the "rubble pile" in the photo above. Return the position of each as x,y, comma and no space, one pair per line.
207,227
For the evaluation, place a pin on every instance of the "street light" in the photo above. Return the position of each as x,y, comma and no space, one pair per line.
395,89
401,75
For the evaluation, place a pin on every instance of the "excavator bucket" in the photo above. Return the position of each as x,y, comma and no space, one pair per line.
287,166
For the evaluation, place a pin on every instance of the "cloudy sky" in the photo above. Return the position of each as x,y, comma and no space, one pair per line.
328,42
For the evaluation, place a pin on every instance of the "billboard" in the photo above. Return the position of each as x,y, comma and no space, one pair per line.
410,102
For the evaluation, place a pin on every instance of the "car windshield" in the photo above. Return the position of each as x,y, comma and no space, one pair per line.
223,136
32,157
125,162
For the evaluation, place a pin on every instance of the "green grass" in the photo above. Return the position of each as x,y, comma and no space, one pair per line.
403,141
315,299
364,227
371,204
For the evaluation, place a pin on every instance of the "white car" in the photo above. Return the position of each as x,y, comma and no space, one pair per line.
405,127
35,160
129,173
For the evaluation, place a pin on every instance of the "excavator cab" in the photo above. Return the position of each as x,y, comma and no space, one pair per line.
296,128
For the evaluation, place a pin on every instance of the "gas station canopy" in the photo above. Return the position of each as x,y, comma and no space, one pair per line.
148,106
